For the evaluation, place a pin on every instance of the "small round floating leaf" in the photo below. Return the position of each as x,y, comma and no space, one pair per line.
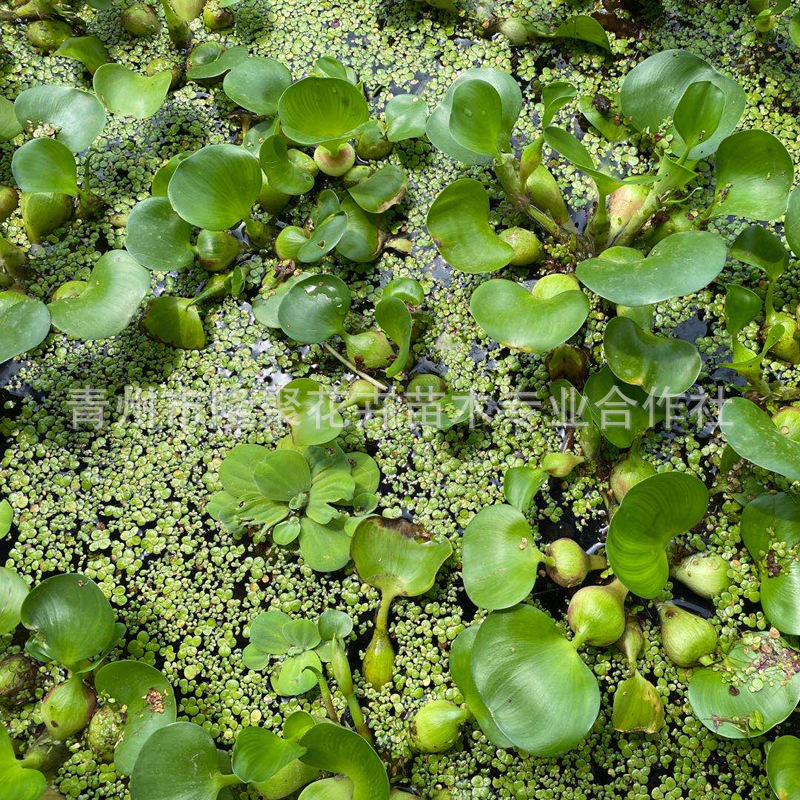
13,591
45,165
783,759
157,237
89,50
237,468
500,557
215,188
755,437
652,513
524,669
77,116
281,173
393,316
681,264
335,749
322,111
754,687
325,548
406,115
258,754
116,287
458,222
257,84
659,364
129,94
213,69
175,321
334,623
315,309
310,412
754,176
24,324
18,782
535,321
71,617
381,190
149,705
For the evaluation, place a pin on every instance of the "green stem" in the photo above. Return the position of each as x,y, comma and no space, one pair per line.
358,717
228,780
327,698
599,225
382,617
353,368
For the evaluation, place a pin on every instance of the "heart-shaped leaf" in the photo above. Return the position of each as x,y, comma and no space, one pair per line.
476,118
281,172
652,513
760,248
130,94
160,182
699,112
45,165
555,96
77,116
226,60
89,50
783,767
660,365
157,237
24,324
215,188
257,84
258,754
310,412
314,309
19,782
393,316
382,190
406,115
680,264
755,437
13,591
458,222
175,321
520,485
115,289
535,321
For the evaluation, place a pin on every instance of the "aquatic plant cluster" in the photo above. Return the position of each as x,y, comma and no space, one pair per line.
399,402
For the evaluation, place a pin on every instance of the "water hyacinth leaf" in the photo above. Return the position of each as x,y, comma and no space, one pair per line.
770,530
256,84
637,706
752,689
585,29
335,749
520,485
175,321
758,247
259,133
17,781
330,67
227,60
310,412
609,124
281,173
130,94
45,165
661,365
535,321
783,762
13,591
324,238
393,316
178,761
680,264
742,306
24,324
215,188
651,514
265,306
315,309
334,623
322,111
476,119
755,437
362,239
438,125
258,754
382,190
406,115
754,175
114,290
458,222
652,90
524,669
791,227
337,788
88,50
698,114
77,116
158,238
10,126
149,705
500,558
71,617
555,96
160,182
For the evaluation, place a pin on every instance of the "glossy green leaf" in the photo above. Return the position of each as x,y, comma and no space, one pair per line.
13,591
334,623
130,94
296,675
115,289
77,116
783,765
160,182
661,365
88,50
476,118
257,84
310,412
755,437
742,306
45,165
158,238
637,706
17,781
651,514
330,67
680,264
265,306
393,316
585,29
258,754
314,309
524,669
555,96
24,324
175,321
362,239
791,226
228,59
532,321
281,172
382,190
760,248
609,125
324,238
699,112
338,788
216,187
6,515
406,115
520,485
10,126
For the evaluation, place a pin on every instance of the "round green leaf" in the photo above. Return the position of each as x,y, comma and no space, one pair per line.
129,94
216,187
265,306
238,467
680,264
458,222
77,116
310,412
760,248
314,309
405,117
325,548
334,623
17,781
160,182
45,165
754,436
149,705
742,306
500,558
257,84
282,475
294,676
13,591
281,173
535,321
88,50
266,632
115,289
24,324
652,513
524,669
157,237
660,365
783,767
382,190
258,754
175,321
226,60
322,111
72,619
338,788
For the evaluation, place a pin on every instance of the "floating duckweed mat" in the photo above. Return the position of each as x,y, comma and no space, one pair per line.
432,543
